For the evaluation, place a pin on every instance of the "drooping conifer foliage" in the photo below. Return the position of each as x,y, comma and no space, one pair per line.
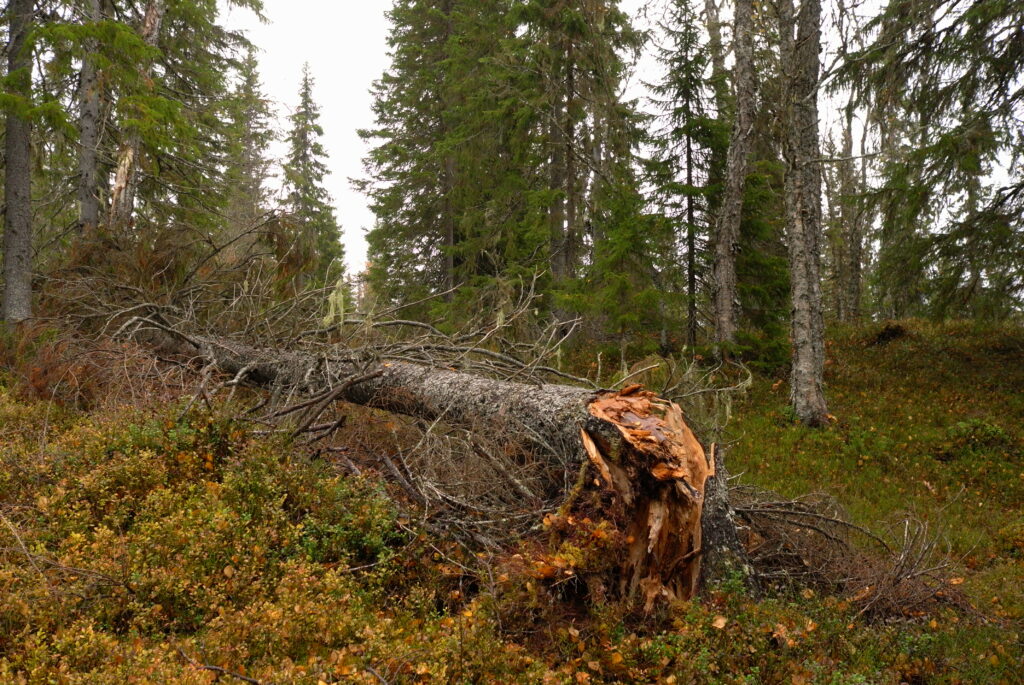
942,82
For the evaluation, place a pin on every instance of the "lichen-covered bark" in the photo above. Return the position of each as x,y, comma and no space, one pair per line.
724,555
800,46
727,229
17,246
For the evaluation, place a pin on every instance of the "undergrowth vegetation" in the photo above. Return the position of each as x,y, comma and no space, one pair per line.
172,542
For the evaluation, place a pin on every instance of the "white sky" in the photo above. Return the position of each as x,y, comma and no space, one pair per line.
344,43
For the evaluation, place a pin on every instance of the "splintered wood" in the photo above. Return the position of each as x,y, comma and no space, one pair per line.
657,472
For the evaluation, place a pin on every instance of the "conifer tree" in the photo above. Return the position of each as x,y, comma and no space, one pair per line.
314,246
409,169
126,180
580,51
453,176
247,164
941,79
166,78
500,136
686,146
184,186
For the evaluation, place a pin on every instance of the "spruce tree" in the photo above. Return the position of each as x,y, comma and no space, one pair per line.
941,80
313,247
454,174
500,137
247,164
687,144
409,171
580,51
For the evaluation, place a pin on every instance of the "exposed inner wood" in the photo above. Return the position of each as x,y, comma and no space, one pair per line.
657,471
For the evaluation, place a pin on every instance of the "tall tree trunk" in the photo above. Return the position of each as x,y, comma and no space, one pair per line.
835,237
691,252
448,172
17,301
448,221
598,138
557,179
713,23
90,105
801,67
859,221
849,223
126,180
730,212
572,183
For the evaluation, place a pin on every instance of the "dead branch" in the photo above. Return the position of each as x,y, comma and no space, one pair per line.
810,542
218,669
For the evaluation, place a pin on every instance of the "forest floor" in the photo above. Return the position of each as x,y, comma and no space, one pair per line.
161,542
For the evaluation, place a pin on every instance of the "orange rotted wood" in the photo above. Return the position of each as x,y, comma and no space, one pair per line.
658,473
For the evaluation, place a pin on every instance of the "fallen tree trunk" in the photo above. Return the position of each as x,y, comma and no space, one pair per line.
632,453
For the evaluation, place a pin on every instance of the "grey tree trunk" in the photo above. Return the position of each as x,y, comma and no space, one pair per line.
834,235
573,187
17,300
691,252
90,105
724,555
448,180
713,23
801,66
557,180
126,180
448,221
847,212
728,225
860,218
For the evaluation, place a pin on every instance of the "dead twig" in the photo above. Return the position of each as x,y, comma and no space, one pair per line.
218,669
